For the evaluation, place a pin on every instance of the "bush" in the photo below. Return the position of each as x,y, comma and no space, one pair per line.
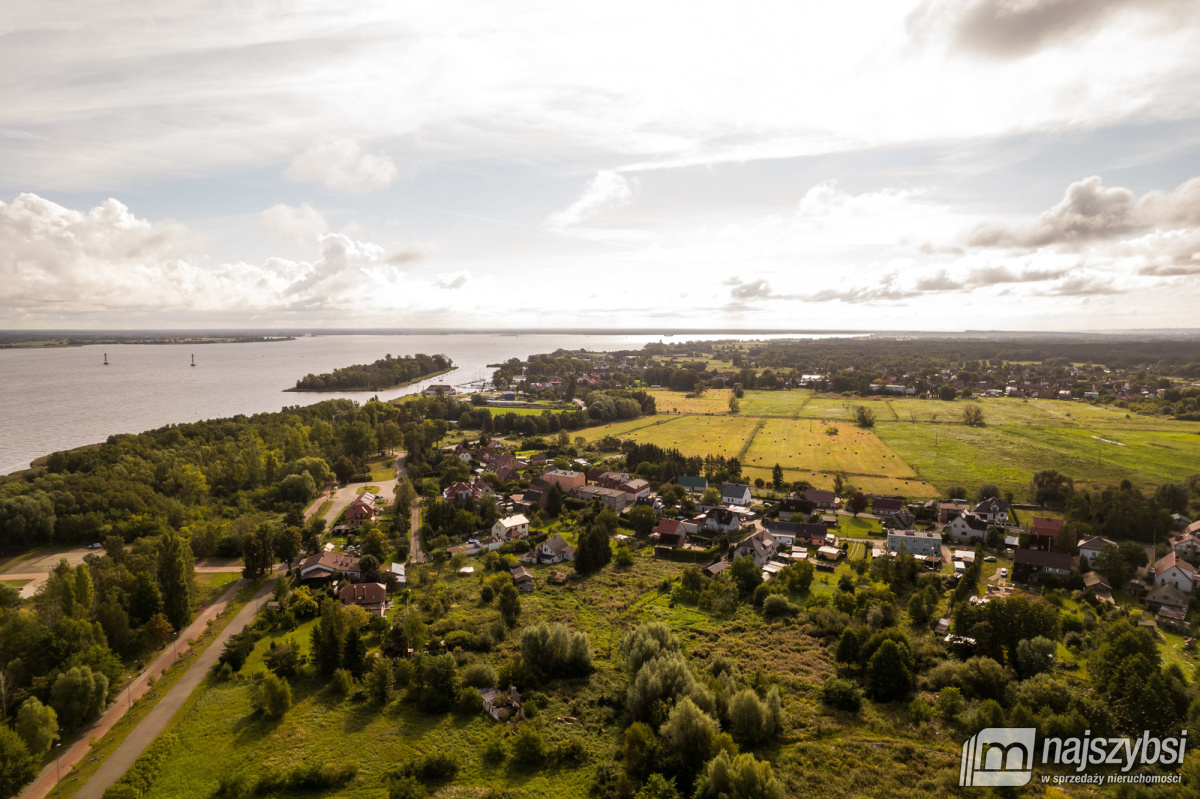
238,648
380,682
431,767
493,750
571,750
342,682
842,694
273,696
468,701
776,606
479,675
552,651
528,748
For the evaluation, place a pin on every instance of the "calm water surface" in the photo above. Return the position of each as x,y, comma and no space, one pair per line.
57,399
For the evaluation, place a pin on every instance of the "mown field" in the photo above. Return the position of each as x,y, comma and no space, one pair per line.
919,448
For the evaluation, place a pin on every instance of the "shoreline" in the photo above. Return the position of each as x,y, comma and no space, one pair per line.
55,344
298,390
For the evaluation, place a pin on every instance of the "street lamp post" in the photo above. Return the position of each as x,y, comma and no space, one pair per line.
174,651
58,767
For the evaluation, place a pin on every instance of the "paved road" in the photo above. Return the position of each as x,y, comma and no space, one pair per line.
45,781
30,588
156,720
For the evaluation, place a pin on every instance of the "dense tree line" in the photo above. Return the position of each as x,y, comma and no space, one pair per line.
384,373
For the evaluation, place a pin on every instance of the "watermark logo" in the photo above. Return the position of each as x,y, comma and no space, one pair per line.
998,757
1002,757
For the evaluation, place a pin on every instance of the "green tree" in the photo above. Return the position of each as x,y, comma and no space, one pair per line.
256,551
380,682
85,594
78,695
847,649
857,503
528,748
594,551
354,654
972,416
286,544
746,573
749,720
38,726
272,696
509,602
658,787
329,637
863,416
777,477
949,703
641,519
554,501
889,672
298,487
640,750
711,496
734,404
688,739
1035,655
17,765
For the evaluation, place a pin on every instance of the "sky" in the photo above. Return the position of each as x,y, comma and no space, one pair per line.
897,165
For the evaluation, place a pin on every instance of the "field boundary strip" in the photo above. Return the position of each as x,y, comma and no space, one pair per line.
762,422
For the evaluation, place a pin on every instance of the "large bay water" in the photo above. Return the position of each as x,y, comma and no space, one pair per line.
53,399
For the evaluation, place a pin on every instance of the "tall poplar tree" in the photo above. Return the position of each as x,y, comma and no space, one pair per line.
175,578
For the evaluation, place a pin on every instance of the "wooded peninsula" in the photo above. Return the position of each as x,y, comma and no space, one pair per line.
388,372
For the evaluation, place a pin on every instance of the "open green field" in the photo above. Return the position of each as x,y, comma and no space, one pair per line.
804,444
920,447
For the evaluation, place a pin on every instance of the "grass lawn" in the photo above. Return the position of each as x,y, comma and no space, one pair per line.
790,403
852,527
713,401
212,584
692,435
383,468
15,583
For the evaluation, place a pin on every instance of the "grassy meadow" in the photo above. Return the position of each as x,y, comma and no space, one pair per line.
820,753
919,448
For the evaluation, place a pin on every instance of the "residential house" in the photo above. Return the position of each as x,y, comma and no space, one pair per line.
361,509
761,546
886,506
1186,546
915,542
1166,595
722,520
794,506
505,466
372,597
502,706
1042,532
1034,562
903,520
822,499
566,480
463,454
1092,547
1098,585
440,390
635,489
553,550
522,579
734,494
669,533
715,568
967,527
949,510
511,527
324,565
612,479
614,498
1174,570
461,491
993,511
693,485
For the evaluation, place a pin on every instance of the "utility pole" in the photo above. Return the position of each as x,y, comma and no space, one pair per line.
58,768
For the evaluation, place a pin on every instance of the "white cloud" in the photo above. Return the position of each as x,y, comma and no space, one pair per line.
453,280
608,190
341,165
300,225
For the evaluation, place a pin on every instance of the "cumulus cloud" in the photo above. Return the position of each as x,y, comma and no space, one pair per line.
606,191
886,289
1016,28
340,164
301,225
1091,211
59,260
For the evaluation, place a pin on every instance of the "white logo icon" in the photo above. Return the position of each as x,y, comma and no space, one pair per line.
998,757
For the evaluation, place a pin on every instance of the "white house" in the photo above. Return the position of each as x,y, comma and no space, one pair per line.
553,550
734,494
1092,547
993,511
511,527
1186,545
762,546
1175,571
722,520
915,542
967,527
